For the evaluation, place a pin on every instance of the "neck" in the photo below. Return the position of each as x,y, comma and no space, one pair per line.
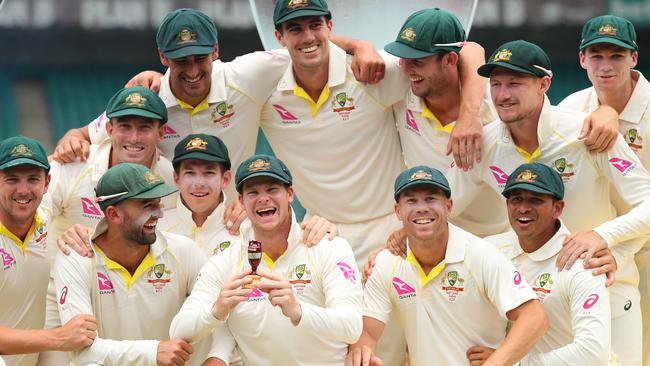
431,251
200,218
128,254
313,81
274,242
18,228
524,131
619,98
114,160
445,105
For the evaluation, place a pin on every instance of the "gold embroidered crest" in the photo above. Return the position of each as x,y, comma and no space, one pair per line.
293,4
151,178
607,30
259,164
408,34
420,174
21,150
196,143
503,55
135,100
185,36
527,176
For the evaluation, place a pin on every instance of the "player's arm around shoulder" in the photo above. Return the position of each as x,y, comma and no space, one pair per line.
257,74
189,256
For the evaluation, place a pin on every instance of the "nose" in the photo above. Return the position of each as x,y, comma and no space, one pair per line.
500,93
23,187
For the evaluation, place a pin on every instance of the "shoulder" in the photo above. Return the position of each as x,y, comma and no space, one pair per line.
576,100
178,243
504,241
567,122
72,263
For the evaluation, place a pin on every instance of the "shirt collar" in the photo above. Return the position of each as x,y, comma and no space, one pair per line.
157,248
545,126
214,220
337,75
217,91
639,100
548,250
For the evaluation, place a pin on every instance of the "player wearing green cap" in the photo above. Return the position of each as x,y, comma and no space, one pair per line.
451,292
576,302
137,117
609,52
137,279
24,260
530,129
307,307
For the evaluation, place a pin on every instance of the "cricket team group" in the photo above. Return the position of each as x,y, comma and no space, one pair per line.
453,215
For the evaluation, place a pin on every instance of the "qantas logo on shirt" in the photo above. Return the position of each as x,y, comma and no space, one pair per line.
105,284
7,259
287,117
500,176
255,295
410,122
170,132
623,166
348,272
100,120
403,290
89,209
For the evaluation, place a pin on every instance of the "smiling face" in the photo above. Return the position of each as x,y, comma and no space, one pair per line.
201,184
423,210
134,139
430,76
608,66
190,77
517,96
21,190
267,202
306,39
533,216
137,219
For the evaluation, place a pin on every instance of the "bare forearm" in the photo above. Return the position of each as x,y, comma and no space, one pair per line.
80,133
472,56
347,44
20,341
525,332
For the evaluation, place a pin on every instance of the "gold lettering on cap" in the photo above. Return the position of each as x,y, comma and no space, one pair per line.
408,34
503,55
21,150
293,4
607,30
259,164
185,36
420,174
526,176
135,100
196,143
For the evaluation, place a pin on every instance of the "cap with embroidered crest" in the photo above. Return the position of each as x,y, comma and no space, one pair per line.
126,181
186,32
520,56
609,29
261,165
427,32
535,177
419,175
286,10
201,146
136,101
19,150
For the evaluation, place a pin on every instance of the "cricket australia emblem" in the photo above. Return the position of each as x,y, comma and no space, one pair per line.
300,277
543,286
452,285
343,105
159,276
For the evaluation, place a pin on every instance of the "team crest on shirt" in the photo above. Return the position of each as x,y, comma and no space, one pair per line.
300,277
222,114
452,285
159,276
221,247
633,139
343,105
566,169
40,233
7,259
543,286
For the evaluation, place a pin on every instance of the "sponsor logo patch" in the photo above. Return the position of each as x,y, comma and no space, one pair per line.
411,124
170,133
7,259
64,295
89,209
286,116
104,284
622,165
499,175
403,289
347,271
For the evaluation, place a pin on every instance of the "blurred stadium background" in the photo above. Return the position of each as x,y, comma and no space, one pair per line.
62,59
